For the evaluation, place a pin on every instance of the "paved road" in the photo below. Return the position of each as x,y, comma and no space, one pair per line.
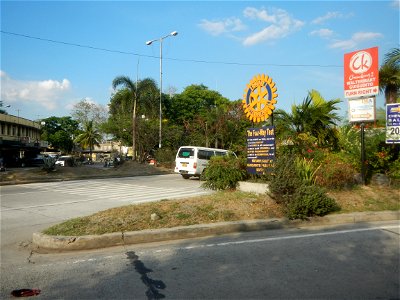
358,261
32,207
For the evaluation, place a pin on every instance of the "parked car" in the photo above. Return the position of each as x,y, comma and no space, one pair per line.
65,161
35,161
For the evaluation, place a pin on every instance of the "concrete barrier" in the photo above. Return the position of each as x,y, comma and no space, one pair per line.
253,187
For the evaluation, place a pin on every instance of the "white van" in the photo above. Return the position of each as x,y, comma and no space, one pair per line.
191,160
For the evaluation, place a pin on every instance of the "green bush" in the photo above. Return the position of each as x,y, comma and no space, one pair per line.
394,170
306,170
285,179
49,163
336,173
310,201
165,156
224,172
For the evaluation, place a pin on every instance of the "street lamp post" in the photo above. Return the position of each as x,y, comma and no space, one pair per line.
174,33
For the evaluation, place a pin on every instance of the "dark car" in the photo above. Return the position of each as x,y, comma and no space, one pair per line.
37,161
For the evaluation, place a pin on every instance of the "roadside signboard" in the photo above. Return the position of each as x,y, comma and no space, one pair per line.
362,110
393,123
361,73
260,150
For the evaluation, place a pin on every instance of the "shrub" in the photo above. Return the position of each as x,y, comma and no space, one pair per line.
310,201
224,172
165,156
335,173
380,161
394,170
285,180
49,163
306,170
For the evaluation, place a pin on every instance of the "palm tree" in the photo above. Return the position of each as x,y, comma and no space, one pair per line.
315,116
89,138
137,91
393,57
389,76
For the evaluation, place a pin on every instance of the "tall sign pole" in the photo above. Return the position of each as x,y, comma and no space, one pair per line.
259,101
361,84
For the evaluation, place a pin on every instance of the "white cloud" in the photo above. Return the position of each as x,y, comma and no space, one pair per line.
328,16
355,40
253,13
395,4
223,26
323,33
282,24
44,93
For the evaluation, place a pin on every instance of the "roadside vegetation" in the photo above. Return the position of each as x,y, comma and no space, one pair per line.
318,154
219,207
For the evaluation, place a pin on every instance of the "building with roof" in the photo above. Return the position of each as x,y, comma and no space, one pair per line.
19,140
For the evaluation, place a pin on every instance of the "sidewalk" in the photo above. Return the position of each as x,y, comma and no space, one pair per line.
48,243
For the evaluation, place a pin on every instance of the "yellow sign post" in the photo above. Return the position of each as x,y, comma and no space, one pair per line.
259,102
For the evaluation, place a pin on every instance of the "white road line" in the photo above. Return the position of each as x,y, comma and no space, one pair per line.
132,195
297,236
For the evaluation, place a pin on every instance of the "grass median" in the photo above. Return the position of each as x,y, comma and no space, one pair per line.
217,207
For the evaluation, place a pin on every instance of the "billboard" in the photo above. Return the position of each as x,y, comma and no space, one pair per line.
260,149
393,123
361,73
362,110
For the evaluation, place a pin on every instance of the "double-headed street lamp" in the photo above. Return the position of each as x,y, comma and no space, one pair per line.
174,33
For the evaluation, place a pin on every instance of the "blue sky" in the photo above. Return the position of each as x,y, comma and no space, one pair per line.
221,44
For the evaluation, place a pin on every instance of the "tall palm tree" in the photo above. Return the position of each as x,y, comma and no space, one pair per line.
89,138
137,91
389,76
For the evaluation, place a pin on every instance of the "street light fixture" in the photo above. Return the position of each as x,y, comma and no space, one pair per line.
173,33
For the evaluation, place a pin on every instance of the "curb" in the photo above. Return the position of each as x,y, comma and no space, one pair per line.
88,242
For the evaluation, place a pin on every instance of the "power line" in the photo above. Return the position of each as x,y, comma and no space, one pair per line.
168,58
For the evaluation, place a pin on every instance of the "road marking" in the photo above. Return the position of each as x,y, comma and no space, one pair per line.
296,236
158,251
116,192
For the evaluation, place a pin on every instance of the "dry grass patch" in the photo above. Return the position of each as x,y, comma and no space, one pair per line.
367,198
218,207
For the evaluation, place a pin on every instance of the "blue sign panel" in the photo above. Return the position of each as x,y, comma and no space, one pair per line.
393,123
260,150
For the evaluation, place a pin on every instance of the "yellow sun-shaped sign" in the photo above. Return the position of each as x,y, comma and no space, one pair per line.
259,98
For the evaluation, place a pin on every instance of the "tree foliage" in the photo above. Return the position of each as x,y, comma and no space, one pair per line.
315,117
389,76
90,137
135,98
60,132
2,110
86,110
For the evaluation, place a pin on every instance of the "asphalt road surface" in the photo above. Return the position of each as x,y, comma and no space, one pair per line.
358,261
29,208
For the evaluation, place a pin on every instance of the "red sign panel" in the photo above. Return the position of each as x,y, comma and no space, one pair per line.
361,73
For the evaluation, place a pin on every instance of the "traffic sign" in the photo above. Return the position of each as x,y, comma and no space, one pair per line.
361,73
362,110
393,123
